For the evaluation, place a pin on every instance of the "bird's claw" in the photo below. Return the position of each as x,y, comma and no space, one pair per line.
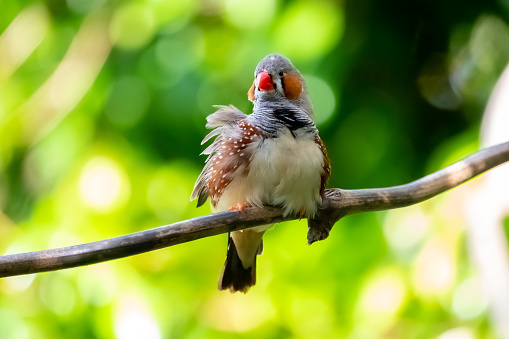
239,207
302,214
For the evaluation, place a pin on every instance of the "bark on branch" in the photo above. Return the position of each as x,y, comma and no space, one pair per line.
338,203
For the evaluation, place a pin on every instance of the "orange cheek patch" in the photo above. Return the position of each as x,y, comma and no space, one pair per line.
293,86
250,93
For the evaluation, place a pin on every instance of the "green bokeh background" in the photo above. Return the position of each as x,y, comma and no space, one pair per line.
102,110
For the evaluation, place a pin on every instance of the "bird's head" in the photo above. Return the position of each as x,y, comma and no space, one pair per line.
276,79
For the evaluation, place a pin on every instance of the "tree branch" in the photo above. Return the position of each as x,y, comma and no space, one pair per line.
340,203
337,204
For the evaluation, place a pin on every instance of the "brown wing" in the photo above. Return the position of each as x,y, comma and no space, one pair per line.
229,156
221,122
326,165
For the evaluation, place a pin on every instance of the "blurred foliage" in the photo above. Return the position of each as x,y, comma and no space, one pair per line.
102,110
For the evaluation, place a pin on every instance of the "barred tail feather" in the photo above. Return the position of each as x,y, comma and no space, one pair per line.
234,276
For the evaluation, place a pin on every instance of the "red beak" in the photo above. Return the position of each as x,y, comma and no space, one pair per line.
265,82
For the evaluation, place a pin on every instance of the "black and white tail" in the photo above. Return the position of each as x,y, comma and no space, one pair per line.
234,276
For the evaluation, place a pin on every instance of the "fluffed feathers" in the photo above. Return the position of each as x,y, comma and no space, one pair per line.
221,120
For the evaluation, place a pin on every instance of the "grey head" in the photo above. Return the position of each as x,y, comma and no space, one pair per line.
274,63
277,80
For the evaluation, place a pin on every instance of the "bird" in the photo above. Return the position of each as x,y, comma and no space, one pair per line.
273,156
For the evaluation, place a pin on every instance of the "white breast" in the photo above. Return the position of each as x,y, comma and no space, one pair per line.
284,171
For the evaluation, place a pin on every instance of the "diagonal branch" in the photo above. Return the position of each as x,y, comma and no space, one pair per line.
340,203
337,204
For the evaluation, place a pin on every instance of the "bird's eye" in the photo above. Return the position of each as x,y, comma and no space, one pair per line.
281,73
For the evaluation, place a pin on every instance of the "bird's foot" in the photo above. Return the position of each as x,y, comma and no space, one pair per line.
302,214
239,206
